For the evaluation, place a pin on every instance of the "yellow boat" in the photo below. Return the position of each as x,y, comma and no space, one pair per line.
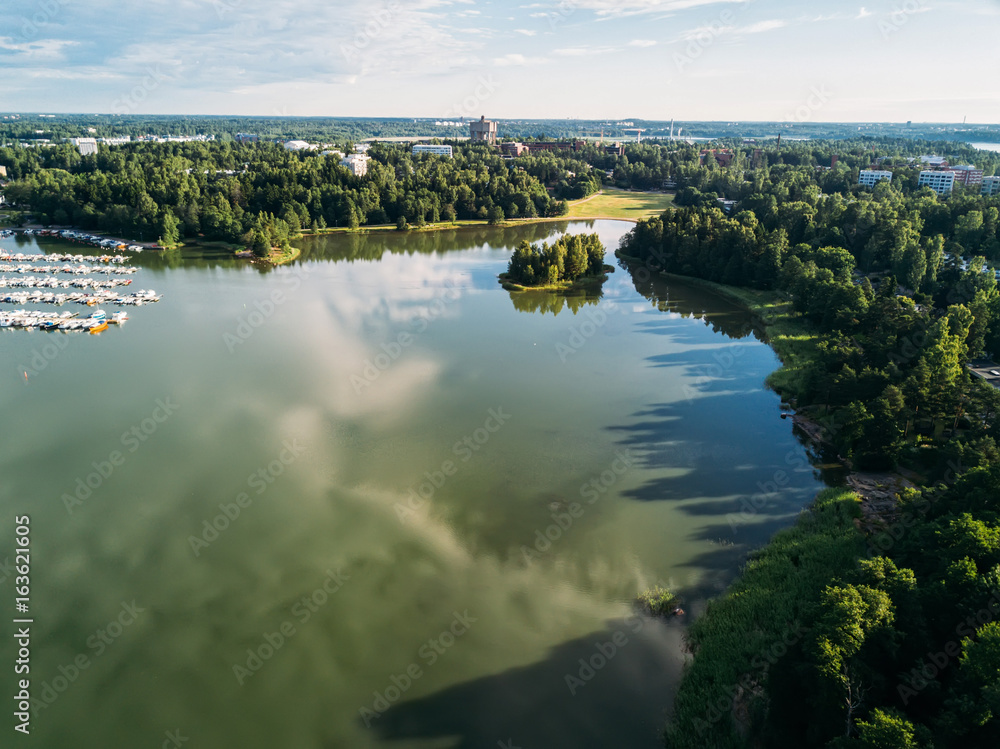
99,329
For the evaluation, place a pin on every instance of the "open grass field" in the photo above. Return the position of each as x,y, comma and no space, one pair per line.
620,204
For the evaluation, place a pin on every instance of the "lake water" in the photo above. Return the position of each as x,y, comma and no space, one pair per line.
986,146
370,500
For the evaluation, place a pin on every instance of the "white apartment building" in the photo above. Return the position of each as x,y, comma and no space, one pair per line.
940,182
87,146
991,186
435,150
357,163
871,177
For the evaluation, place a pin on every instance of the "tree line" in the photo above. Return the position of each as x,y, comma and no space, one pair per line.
566,260
243,193
891,299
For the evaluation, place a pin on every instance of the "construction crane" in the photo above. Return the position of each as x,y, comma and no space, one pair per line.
638,132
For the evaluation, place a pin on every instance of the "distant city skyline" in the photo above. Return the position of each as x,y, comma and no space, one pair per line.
724,60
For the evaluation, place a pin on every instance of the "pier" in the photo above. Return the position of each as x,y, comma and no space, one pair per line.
68,321
68,278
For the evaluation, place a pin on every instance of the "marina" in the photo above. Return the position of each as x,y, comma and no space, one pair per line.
78,270
91,239
67,278
21,257
50,282
67,321
95,297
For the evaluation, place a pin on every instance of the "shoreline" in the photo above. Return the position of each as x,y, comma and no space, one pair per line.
870,486
564,287
782,577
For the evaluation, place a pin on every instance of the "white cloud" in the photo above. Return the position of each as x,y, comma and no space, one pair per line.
762,26
581,51
863,13
517,60
526,32
618,8
52,48
642,43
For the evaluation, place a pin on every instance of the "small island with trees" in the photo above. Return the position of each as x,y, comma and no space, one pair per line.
571,262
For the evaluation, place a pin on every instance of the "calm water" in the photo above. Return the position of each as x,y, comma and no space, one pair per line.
986,146
392,437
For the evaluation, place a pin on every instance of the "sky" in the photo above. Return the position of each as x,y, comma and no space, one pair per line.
728,60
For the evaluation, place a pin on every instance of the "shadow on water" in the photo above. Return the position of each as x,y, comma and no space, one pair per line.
353,247
733,473
547,302
620,704
331,247
690,301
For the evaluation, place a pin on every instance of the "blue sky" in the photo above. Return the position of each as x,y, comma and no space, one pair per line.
884,60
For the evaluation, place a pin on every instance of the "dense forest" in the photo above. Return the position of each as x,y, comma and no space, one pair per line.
259,194
566,260
243,192
854,629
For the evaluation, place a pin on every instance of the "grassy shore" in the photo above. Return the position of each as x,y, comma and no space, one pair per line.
720,702
793,338
282,257
384,228
584,282
610,204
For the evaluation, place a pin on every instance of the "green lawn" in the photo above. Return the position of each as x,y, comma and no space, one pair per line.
793,338
621,204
